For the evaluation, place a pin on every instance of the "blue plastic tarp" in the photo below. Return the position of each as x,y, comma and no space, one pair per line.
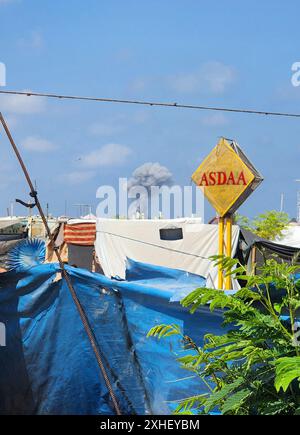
48,366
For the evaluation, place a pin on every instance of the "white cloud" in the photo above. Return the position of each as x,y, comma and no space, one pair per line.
214,119
21,104
38,144
78,177
185,82
111,154
214,77
211,78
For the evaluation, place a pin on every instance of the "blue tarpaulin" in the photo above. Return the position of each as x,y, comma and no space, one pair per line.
48,366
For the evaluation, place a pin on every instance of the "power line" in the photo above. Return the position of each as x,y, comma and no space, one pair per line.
151,103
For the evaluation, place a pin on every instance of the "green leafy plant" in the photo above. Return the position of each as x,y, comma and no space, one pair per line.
254,367
268,225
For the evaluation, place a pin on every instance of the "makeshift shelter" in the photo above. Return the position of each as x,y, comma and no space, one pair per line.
254,250
81,232
75,240
36,227
5,247
12,230
79,235
46,368
177,243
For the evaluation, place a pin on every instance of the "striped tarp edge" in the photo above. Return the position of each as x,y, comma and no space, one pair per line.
80,234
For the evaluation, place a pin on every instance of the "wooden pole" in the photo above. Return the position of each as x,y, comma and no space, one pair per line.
228,247
253,260
221,252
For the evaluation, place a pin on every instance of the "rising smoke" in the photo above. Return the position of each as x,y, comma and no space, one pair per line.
147,175
151,174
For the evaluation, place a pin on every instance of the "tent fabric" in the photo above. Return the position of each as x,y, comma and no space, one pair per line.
36,227
5,247
48,368
291,236
81,256
265,248
89,216
140,240
83,220
284,252
7,223
80,233
11,237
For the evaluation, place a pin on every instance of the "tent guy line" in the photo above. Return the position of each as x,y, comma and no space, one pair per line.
152,103
156,246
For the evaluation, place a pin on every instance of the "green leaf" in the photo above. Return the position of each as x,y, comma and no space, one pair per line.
163,331
287,369
219,395
278,307
185,406
235,401
193,360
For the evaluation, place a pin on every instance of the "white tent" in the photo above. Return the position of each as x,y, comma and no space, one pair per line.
291,236
141,240
6,222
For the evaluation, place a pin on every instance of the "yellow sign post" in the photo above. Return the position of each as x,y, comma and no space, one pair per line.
226,178
221,251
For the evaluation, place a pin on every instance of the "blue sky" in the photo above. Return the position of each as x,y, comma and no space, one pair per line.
233,53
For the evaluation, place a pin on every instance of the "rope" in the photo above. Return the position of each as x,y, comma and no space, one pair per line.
82,314
156,246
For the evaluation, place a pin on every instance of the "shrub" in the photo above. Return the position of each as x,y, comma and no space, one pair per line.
254,367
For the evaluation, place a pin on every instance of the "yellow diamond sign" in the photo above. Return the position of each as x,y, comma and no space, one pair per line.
226,177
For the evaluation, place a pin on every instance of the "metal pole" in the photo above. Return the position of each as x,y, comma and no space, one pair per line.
221,252
298,202
228,247
64,273
281,202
